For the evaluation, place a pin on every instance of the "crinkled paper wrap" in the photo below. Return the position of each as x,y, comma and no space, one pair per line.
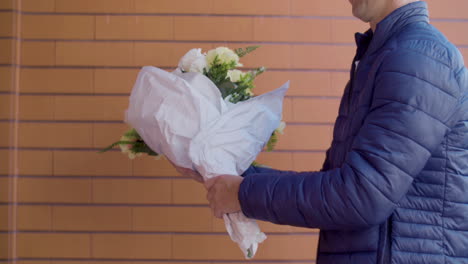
183,116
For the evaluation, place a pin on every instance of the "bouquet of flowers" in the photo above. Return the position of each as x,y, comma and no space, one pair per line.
219,65
204,116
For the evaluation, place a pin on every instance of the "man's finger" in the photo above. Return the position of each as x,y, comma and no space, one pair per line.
218,213
209,195
210,182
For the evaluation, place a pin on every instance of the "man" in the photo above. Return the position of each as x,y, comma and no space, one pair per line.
394,185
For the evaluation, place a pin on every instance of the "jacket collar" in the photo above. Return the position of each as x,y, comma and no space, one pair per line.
392,24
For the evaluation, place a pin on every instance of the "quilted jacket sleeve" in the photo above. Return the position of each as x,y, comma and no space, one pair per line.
409,116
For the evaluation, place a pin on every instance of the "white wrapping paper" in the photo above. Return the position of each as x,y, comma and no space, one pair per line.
183,116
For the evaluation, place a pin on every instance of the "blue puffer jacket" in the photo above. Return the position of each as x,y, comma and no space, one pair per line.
394,186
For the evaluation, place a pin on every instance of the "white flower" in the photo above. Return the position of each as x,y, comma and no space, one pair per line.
198,65
131,155
235,75
281,127
193,61
225,55
125,147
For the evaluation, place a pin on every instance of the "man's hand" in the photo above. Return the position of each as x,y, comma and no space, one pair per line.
188,173
223,194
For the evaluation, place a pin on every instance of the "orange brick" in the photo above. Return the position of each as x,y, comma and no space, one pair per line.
43,245
172,7
111,262
315,110
56,80
38,6
114,80
464,52
4,246
277,160
305,137
38,53
95,262
291,29
338,82
320,8
270,56
287,109
37,262
246,7
106,133
129,246
6,104
94,6
90,107
6,79
94,53
150,166
6,139
54,190
55,135
213,28
4,218
293,247
7,4
137,191
456,9
91,218
172,219
343,30
164,54
35,162
6,24
5,161
6,52
308,161
134,27
57,27
303,83
198,247
34,218
91,163
36,107
271,80
452,31
322,57
188,192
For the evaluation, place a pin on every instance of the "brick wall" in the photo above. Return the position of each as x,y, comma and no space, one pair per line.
67,88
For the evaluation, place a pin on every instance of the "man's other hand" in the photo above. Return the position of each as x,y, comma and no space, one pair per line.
223,194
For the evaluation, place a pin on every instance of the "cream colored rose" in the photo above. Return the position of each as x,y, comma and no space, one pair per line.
235,75
225,55
193,61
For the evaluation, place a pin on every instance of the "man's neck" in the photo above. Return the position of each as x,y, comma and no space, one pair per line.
392,6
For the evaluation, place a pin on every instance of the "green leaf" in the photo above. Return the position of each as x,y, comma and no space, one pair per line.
115,144
226,88
132,133
249,253
272,142
258,71
242,52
